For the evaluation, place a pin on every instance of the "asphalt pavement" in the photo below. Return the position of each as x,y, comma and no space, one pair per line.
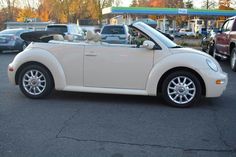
69,124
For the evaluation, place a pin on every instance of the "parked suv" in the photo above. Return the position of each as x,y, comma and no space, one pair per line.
225,42
67,29
115,34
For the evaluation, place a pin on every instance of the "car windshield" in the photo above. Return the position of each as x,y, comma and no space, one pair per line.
166,41
113,30
60,29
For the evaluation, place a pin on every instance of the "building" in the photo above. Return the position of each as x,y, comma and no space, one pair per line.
38,26
131,14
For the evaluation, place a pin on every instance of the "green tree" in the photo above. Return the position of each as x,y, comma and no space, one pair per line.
189,4
96,6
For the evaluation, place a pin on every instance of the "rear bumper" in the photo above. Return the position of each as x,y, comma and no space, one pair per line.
11,74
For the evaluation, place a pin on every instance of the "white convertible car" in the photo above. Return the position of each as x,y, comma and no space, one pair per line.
154,66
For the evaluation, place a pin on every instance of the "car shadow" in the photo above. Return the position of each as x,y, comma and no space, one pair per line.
120,99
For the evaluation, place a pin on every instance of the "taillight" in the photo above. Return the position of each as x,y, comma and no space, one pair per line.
10,68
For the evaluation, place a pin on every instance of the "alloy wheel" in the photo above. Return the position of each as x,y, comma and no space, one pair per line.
181,90
34,82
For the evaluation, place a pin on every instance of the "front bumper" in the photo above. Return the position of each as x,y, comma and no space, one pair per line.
214,89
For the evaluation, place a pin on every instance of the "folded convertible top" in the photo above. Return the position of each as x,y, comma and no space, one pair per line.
39,36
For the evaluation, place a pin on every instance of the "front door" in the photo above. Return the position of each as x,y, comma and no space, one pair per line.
222,39
117,66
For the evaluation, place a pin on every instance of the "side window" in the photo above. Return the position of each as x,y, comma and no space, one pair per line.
113,30
230,25
138,37
224,27
234,25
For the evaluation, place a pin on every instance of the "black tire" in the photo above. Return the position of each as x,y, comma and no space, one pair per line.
181,90
233,59
214,54
43,80
210,49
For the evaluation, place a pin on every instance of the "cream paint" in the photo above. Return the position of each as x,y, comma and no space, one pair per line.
118,69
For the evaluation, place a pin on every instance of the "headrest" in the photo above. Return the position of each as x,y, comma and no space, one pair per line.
58,37
69,37
97,37
89,35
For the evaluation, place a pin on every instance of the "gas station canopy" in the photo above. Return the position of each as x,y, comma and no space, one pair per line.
167,11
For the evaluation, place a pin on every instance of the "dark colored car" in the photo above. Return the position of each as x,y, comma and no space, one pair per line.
224,43
10,40
207,41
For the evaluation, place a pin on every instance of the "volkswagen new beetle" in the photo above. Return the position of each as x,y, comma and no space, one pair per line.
154,66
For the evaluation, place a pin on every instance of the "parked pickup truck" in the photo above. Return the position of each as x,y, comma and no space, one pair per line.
224,43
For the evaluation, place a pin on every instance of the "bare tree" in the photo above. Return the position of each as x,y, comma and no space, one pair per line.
209,4
9,6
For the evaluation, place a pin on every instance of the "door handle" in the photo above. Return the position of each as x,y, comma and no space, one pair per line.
91,53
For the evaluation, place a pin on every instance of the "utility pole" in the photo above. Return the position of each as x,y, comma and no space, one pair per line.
206,21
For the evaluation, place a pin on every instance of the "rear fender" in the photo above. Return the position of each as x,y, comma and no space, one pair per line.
45,58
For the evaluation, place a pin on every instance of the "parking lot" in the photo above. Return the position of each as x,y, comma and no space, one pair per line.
102,125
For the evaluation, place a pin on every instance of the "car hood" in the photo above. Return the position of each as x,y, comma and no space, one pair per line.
188,50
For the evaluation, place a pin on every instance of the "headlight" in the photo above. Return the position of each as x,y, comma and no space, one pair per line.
212,65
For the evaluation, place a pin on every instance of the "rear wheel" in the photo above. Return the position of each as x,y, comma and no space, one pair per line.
233,59
181,89
35,81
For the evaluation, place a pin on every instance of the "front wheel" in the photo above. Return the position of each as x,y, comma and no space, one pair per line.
233,59
214,54
35,81
181,89
210,49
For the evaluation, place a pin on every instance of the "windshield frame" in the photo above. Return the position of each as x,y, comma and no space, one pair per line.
154,35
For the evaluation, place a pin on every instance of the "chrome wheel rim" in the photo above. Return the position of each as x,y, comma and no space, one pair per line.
181,90
233,59
34,82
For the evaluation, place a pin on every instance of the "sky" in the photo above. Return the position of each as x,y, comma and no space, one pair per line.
196,3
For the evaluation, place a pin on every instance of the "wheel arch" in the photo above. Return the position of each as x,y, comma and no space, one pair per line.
31,63
163,77
44,58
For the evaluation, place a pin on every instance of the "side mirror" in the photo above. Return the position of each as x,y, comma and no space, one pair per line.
148,44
